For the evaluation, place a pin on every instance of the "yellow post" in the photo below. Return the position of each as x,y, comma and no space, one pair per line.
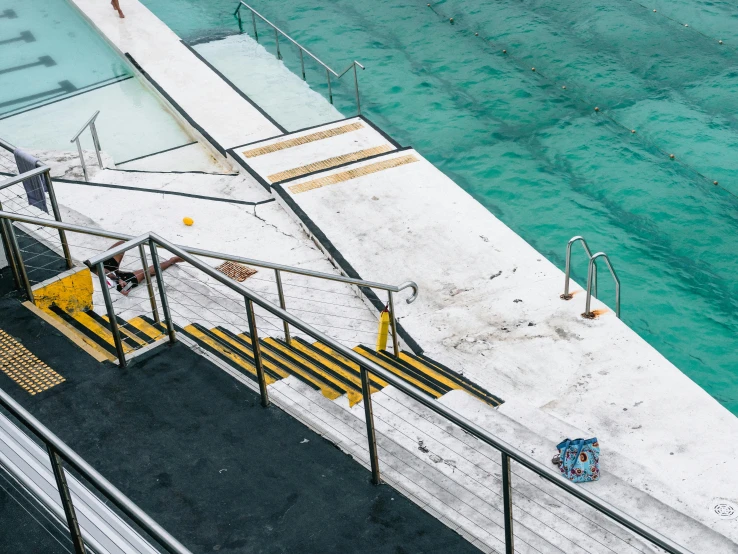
384,321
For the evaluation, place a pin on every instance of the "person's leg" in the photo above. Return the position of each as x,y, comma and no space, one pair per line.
116,6
164,265
119,257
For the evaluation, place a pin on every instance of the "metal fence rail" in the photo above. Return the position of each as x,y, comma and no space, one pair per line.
303,51
58,452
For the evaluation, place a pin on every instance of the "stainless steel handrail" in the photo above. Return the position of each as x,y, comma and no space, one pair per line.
303,50
58,449
593,269
277,268
8,234
9,147
507,450
567,272
95,140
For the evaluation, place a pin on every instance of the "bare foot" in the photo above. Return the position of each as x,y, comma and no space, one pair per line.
120,13
176,260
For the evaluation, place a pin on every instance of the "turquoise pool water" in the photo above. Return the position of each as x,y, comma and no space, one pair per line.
55,71
540,158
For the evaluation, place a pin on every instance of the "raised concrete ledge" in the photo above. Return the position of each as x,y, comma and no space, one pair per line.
490,306
200,93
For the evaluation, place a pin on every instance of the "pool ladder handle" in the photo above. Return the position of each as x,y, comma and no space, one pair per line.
95,140
591,277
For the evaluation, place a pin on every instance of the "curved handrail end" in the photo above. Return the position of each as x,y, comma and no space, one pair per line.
409,284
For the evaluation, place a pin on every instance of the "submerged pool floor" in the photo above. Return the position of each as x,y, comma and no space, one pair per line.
530,146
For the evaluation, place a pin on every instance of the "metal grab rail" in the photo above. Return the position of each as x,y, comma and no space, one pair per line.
8,234
59,451
593,269
7,146
591,277
278,269
567,272
95,140
508,452
277,31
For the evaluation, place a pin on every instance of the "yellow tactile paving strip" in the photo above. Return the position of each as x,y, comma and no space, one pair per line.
329,163
312,137
351,174
18,363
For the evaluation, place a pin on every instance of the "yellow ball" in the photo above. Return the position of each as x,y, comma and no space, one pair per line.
188,221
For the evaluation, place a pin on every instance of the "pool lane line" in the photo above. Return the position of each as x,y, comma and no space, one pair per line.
25,36
66,95
156,153
241,93
685,25
155,191
46,61
648,145
65,87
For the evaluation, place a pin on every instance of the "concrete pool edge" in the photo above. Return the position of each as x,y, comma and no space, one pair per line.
334,232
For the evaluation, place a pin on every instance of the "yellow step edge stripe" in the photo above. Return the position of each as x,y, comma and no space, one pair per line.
85,320
146,328
329,163
294,364
355,378
126,332
237,360
437,376
430,372
367,169
372,378
297,141
276,369
404,376
86,344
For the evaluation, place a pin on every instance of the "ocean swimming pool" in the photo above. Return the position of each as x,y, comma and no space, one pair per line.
55,71
539,157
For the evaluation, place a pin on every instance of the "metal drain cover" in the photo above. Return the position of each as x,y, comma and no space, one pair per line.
724,509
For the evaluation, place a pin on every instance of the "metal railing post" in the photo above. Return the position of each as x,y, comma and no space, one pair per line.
82,159
66,500
356,85
393,324
567,270
330,89
96,142
100,269
238,16
256,350
253,20
366,392
57,216
302,64
282,305
9,251
276,38
507,500
592,276
149,284
19,257
162,293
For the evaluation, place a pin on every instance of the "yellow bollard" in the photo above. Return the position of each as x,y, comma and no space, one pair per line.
384,321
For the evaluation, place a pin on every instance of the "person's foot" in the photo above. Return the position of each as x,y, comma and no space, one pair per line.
120,13
124,289
176,260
